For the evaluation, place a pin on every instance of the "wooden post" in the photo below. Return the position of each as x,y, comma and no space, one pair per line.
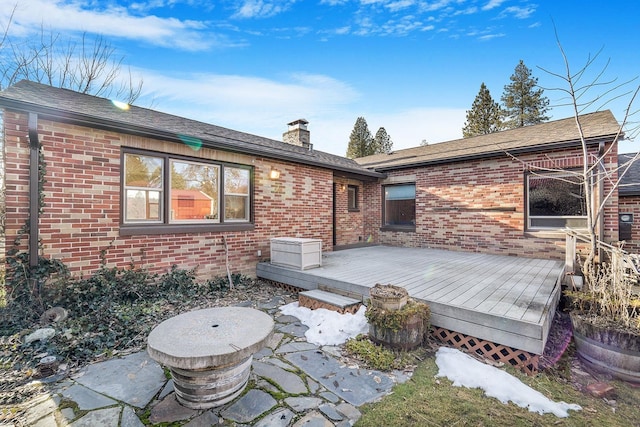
570,254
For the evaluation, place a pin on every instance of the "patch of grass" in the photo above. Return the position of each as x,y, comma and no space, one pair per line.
378,357
428,401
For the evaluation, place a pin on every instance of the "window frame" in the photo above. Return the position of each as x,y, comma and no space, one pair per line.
356,205
166,225
398,227
527,210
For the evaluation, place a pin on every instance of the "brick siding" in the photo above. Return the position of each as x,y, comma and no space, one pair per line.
349,223
479,206
80,220
631,204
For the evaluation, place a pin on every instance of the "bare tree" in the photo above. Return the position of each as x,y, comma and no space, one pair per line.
88,65
582,92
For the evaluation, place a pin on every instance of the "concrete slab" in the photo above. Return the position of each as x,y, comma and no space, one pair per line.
134,379
203,339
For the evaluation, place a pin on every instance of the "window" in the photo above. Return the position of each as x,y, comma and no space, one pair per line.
400,205
352,197
194,192
555,200
236,194
143,188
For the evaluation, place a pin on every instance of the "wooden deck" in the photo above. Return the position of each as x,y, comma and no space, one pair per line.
502,299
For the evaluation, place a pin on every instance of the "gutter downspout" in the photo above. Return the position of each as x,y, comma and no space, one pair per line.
34,200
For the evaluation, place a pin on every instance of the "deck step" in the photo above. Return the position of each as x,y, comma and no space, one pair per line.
317,298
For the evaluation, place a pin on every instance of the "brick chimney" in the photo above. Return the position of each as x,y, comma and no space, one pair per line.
298,134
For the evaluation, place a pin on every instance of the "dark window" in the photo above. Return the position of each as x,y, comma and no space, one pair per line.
400,205
556,200
352,194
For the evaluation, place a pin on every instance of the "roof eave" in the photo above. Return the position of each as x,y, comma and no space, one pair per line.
214,142
494,154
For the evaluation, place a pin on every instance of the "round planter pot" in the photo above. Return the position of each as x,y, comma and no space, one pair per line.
388,297
607,350
408,337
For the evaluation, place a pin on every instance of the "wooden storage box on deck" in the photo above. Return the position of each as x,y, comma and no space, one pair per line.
298,253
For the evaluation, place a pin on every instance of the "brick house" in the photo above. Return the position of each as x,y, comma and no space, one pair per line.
629,204
120,185
493,193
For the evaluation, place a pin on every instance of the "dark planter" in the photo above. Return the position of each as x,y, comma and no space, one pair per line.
607,350
408,337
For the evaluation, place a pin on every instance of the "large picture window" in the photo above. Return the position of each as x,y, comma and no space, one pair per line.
555,200
194,191
400,205
160,189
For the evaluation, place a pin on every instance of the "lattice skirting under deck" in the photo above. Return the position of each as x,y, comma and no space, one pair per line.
525,361
288,288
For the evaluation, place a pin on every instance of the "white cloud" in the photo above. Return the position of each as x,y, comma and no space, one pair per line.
518,12
492,4
399,5
261,8
263,107
110,21
491,36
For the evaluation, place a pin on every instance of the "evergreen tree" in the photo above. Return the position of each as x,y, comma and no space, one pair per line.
382,142
360,140
485,115
524,104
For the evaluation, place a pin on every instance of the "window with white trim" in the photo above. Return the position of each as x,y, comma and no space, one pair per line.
555,201
192,192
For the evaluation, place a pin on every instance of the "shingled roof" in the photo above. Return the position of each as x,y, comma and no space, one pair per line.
600,126
630,182
87,110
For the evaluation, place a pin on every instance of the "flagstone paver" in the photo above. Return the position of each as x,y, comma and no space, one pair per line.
86,398
250,406
356,386
281,417
286,380
319,390
134,379
108,417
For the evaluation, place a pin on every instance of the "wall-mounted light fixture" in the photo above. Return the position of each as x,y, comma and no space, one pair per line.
274,174
342,187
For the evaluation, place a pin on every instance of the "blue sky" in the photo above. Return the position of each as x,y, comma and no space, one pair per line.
413,67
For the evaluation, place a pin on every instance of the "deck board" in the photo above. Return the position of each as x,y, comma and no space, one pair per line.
508,300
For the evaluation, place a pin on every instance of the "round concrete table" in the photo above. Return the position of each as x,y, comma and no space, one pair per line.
209,352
